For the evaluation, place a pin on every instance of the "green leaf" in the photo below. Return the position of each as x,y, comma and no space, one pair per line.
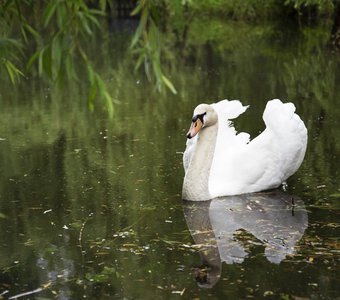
94,20
84,23
32,59
137,9
91,104
93,92
13,72
62,15
157,69
109,103
23,33
169,84
140,29
68,67
40,62
90,73
49,12
97,12
47,62
31,30
56,55
139,61
102,5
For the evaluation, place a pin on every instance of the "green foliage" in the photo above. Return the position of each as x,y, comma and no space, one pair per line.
257,10
11,48
239,10
179,16
50,39
146,44
9,51
322,6
58,32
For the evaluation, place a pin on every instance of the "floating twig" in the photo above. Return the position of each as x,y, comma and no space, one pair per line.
80,237
4,293
38,290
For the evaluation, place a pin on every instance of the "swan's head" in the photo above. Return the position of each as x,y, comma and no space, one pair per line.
204,116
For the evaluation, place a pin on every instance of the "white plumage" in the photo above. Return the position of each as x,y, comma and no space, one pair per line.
239,165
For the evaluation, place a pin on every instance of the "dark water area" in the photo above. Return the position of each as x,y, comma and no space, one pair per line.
90,207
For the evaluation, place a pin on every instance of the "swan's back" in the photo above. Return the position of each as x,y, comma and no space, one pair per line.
242,166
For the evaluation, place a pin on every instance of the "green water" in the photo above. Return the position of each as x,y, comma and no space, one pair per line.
90,207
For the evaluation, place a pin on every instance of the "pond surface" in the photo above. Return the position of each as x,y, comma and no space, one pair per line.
90,207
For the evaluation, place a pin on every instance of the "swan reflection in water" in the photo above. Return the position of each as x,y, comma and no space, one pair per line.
225,228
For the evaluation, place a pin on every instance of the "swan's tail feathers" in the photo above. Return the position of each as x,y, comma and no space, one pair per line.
276,113
289,134
229,109
281,118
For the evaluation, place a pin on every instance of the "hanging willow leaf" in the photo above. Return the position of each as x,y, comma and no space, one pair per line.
40,62
32,60
109,102
94,20
13,72
138,8
49,12
31,30
146,45
140,60
47,61
93,92
102,5
140,29
84,23
69,25
169,84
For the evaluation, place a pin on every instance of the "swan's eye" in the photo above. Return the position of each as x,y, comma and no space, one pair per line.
200,116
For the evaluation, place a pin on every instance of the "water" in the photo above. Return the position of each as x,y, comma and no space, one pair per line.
90,207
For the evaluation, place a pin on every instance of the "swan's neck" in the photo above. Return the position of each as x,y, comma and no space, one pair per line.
196,180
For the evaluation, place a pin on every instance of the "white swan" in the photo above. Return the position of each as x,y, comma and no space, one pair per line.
219,162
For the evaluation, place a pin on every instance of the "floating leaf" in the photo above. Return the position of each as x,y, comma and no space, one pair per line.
268,293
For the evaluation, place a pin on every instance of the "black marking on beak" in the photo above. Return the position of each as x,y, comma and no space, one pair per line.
193,128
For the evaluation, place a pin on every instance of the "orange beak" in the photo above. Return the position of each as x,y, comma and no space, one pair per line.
194,128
